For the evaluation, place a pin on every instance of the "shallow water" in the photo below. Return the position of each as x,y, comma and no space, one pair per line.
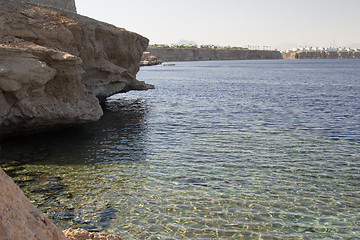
219,150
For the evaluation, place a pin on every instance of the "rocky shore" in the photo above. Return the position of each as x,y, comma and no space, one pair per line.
149,60
56,67
19,219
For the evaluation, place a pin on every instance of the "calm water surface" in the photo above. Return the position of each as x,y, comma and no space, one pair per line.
220,150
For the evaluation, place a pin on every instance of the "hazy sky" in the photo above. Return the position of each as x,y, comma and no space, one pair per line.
276,23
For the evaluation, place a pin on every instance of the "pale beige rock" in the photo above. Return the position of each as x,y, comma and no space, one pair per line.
19,219
56,66
62,56
81,234
39,96
25,69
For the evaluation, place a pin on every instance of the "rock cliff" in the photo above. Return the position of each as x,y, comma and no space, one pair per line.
321,55
56,67
198,54
68,5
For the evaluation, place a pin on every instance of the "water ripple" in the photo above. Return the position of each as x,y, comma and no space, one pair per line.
220,150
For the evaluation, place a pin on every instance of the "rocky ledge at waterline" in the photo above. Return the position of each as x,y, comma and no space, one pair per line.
56,67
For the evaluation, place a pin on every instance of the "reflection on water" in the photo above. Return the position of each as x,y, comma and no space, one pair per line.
224,150
65,173
122,129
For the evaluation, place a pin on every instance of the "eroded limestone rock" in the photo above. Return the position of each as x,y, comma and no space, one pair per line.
56,66
68,5
35,96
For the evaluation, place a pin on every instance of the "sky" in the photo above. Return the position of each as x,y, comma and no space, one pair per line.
280,24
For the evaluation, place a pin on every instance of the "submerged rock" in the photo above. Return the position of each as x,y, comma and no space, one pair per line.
81,234
19,219
57,66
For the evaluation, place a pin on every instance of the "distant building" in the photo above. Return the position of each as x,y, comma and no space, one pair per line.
329,49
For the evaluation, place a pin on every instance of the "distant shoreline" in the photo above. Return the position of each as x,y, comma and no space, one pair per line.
199,54
155,55
322,55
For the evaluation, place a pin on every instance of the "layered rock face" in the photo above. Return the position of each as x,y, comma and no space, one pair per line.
19,219
60,4
56,66
178,54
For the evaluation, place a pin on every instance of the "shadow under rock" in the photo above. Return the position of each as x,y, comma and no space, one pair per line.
121,130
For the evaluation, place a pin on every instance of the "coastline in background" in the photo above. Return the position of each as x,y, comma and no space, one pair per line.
158,55
154,56
322,55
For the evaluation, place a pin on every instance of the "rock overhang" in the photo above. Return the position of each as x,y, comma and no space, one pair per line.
88,61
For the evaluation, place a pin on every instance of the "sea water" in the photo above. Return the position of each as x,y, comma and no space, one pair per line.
266,149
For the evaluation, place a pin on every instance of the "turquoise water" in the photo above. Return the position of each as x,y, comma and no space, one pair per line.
219,150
